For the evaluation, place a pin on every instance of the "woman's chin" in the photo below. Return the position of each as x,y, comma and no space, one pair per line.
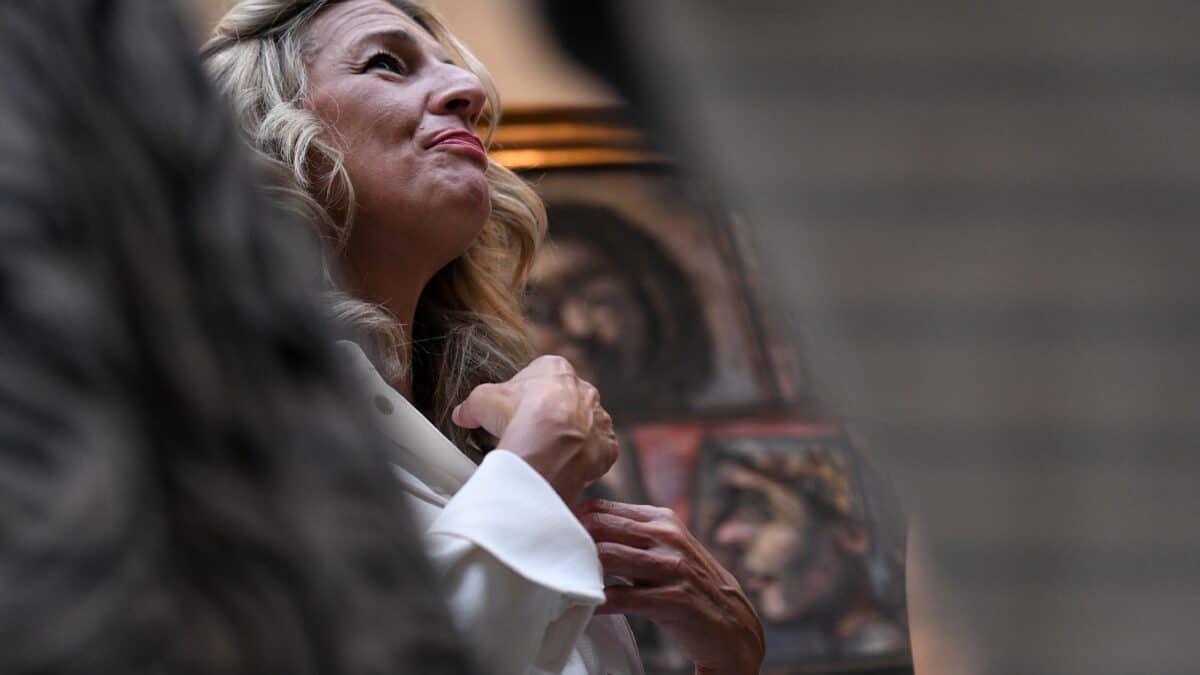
468,199
476,209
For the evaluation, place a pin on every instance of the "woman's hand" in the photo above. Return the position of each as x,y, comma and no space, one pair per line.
550,418
677,584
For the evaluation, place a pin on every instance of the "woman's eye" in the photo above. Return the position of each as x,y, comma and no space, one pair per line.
386,62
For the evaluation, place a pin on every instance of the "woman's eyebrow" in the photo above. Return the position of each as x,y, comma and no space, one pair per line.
391,35
398,35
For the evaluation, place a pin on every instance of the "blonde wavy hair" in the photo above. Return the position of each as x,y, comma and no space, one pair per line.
468,328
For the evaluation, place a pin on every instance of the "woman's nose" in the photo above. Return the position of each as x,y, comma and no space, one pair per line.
461,94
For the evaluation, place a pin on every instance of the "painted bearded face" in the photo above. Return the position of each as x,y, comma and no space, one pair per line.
583,309
796,567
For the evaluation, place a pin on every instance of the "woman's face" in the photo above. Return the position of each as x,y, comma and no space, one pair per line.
405,115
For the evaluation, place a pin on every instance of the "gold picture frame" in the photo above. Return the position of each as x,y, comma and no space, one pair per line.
566,137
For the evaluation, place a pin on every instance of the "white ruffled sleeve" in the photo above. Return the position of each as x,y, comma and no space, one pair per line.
521,574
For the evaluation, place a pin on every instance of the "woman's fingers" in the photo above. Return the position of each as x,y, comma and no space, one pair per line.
638,512
602,419
638,564
490,406
608,527
550,418
676,583
647,601
543,366
648,527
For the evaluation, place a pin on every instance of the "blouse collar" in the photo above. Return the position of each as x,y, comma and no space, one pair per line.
417,446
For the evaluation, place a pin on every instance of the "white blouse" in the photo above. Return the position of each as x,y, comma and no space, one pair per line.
520,574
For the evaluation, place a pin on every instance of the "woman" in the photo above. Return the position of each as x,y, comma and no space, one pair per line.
367,109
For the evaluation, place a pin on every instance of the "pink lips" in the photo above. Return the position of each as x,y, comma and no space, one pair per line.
458,139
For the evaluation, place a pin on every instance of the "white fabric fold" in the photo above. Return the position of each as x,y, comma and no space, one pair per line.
525,526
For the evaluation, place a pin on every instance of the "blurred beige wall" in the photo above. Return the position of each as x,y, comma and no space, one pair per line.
512,41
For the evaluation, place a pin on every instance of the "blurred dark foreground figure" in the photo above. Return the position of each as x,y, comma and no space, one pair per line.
185,483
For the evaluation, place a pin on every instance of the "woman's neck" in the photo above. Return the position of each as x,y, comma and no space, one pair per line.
404,313
398,296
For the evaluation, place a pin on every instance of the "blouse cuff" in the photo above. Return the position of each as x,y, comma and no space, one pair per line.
509,510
